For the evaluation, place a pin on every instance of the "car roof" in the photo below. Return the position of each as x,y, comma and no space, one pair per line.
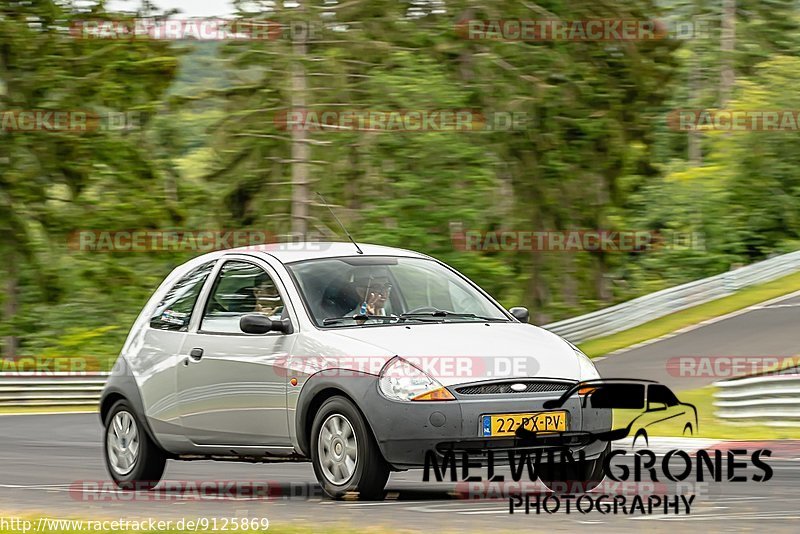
309,250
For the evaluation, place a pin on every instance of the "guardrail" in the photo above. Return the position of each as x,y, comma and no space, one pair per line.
52,389
771,400
649,307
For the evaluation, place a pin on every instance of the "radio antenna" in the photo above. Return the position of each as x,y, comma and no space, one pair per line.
325,202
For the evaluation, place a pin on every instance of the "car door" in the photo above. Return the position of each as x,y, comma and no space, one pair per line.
231,385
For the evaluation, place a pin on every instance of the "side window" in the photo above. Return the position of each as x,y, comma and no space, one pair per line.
175,311
240,289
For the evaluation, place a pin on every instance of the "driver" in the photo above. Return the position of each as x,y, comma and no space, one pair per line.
373,290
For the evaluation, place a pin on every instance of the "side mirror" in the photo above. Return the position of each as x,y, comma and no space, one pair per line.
656,406
259,324
521,314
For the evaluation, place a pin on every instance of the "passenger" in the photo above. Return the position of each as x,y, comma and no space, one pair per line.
267,298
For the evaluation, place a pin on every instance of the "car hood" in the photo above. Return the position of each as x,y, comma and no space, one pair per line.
459,353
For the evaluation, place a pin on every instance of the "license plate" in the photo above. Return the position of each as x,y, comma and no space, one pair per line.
507,424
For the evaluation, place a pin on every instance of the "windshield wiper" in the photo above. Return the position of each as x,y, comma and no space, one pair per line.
358,317
446,314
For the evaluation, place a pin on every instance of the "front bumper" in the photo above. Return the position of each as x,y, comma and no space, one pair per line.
405,431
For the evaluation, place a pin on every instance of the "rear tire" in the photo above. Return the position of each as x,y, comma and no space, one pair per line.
133,460
576,477
344,453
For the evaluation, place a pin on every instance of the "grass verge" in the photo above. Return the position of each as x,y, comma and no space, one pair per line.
690,316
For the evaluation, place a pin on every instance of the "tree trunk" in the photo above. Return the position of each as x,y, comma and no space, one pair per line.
171,186
536,290
300,146
602,288
695,146
569,283
10,307
727,46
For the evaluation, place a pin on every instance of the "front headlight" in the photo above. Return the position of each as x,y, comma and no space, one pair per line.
401,381
587,369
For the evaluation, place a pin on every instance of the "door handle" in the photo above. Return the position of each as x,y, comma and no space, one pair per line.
196,354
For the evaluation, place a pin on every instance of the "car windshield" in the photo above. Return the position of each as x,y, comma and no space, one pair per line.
370,290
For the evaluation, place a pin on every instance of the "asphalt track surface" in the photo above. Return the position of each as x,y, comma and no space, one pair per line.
764,330
46,459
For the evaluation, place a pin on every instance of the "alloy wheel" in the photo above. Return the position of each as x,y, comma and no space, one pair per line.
338,449
122,439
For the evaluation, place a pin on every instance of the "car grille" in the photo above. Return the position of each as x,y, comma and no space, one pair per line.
502,388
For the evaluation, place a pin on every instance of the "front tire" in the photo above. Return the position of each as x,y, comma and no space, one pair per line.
344,453
133,460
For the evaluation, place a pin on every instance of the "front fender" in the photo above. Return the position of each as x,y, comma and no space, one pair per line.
355,385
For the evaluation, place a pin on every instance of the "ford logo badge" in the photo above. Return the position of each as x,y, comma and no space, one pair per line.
519,387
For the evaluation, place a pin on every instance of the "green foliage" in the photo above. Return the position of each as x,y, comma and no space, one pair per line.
595,152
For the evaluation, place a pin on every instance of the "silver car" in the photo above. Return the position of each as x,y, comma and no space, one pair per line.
360,359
